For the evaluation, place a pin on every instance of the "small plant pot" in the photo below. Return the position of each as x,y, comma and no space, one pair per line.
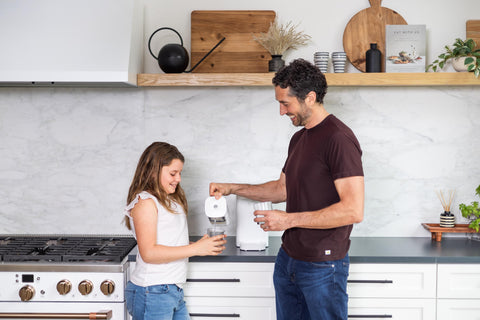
459,64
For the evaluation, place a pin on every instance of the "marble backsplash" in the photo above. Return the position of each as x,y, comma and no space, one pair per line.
68,154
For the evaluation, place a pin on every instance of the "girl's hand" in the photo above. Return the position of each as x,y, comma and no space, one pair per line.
210,246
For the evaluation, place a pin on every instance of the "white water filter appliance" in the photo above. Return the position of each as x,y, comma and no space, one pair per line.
250,236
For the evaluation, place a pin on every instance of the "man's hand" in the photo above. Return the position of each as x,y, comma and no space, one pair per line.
272,220
274,191
218,190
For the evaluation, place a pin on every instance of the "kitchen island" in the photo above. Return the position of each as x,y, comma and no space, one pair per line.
370,250
412,278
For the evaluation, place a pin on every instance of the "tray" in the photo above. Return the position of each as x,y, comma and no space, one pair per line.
365,27
437,231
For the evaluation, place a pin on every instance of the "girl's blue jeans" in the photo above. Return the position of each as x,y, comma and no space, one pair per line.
160,302
310,290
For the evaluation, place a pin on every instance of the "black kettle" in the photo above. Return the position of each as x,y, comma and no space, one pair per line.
173,58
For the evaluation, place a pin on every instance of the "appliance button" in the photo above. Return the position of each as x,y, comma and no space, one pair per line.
85,287
64,287
107,287
26,293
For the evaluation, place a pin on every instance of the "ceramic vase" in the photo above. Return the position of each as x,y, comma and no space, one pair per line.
276,63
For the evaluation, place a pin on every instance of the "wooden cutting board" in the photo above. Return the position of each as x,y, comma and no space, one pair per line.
239,52
473,31
368,26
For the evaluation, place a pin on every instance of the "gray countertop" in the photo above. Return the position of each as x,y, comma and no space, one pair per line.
368,250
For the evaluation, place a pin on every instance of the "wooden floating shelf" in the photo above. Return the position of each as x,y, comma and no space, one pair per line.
333,79
437,231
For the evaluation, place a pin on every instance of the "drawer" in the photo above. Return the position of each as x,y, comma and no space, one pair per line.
214,308
411,309
372,280
459,281
456,309
229,279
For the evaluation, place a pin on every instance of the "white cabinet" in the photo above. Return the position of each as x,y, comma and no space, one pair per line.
458,309
392,291
392,308
458,292
229,279
459,281
214,308
230,290
224,290
391,280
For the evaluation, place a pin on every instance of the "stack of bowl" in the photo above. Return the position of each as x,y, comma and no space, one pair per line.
339,59
321,60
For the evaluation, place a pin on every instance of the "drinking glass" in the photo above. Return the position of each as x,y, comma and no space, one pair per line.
215,231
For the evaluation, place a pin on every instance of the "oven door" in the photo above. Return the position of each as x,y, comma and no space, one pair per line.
63,310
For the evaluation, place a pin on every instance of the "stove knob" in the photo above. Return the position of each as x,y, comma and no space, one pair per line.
85,287
26,293
107,287
64,287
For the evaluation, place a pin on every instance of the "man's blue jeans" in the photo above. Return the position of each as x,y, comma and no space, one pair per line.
310,290
161,302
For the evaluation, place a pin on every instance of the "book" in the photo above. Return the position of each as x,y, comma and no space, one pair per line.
405,48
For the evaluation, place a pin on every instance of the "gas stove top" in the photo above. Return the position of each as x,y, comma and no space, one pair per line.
65,248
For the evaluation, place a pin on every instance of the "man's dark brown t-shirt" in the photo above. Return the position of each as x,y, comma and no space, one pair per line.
316,158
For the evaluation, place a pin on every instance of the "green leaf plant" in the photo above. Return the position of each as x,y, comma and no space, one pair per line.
472,212
460,48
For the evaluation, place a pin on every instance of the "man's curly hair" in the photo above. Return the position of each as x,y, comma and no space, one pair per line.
301,77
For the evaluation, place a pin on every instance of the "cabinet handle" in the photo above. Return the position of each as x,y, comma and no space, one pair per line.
363,316
215,315
213,280
370,281
103,315
377,316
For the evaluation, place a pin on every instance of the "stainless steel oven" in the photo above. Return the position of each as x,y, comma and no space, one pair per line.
64,277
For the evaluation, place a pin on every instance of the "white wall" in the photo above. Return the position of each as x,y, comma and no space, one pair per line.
68,154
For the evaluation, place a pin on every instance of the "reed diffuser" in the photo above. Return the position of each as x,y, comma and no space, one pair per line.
447,219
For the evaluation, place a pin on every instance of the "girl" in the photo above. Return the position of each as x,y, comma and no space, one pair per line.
156,213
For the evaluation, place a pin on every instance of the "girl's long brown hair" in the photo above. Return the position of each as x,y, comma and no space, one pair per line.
147,175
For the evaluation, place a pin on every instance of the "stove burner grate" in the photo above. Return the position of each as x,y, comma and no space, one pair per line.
65,248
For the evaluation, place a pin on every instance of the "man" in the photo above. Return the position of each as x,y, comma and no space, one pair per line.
323,186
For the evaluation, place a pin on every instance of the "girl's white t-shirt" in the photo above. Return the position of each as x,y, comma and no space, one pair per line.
172,230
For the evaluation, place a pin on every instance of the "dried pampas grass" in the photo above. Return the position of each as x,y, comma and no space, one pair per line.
280,38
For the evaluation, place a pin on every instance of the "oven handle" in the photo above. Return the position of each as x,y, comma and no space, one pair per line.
101,315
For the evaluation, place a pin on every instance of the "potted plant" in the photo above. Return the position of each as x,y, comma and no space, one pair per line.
472,212
278,39
463,54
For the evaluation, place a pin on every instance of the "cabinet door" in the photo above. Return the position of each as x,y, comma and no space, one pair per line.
206,308
374,280
229,279
459,281
402,309
456,309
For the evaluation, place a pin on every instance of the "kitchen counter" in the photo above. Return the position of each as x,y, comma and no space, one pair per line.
368,250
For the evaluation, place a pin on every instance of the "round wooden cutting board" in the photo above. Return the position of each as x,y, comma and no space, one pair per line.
368,26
